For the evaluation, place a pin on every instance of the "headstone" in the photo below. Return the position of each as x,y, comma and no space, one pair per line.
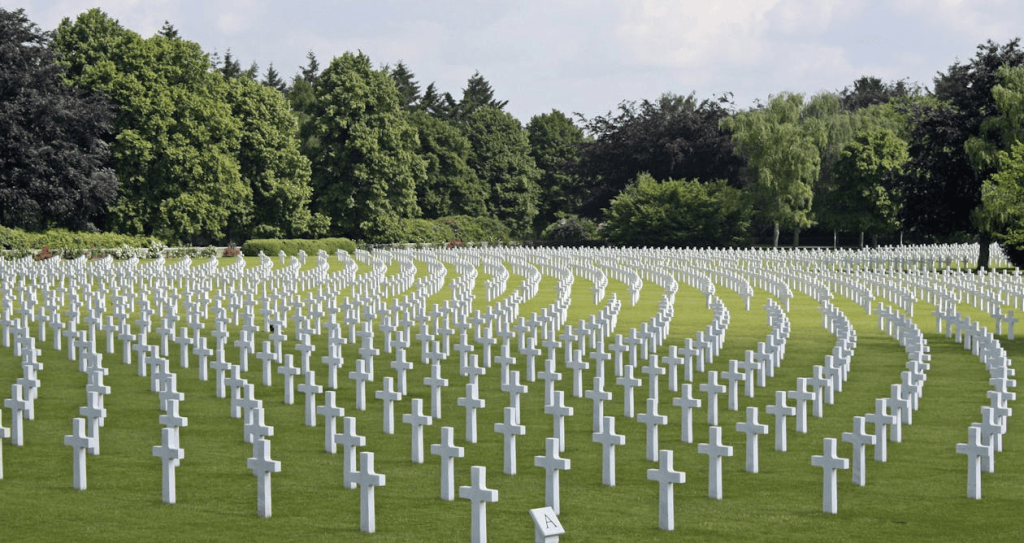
510,428
417,420
558,411
349,440
975,451
311,389
471,402
436,383
715,451
652,419
712,389
479,495
170,455
859,439
331,413
882,420
628,383
801,395
688,403
368,481
830,462
752,429
448,452
666,476
80,442
552,464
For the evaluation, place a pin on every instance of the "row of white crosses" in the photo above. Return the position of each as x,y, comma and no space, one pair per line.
652,374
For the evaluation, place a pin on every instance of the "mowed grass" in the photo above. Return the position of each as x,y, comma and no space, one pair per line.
919,494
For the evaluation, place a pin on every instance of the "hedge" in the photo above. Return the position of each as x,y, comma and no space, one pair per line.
291,247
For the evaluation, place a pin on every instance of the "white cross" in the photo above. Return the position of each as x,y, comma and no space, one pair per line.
830,462
666,476
480,496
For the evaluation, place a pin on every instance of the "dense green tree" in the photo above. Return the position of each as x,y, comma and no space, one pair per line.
271,164
54,167
366,169
555,145
176,138
673,137
999,148
677,213
867,199
501,158
784,156
451,186
942,185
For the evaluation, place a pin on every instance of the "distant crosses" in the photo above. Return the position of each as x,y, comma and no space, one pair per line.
479,495
666,476
830,462
448,452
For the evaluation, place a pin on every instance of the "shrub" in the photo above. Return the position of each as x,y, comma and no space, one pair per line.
570,228
291,247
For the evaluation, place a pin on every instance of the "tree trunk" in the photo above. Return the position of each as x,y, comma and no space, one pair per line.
796,238
874,240
775,236
835,240
984,243
861,239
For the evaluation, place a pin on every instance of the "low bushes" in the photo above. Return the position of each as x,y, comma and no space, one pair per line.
271,247
455,228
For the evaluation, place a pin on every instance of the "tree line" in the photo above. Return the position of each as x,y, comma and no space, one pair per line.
103,129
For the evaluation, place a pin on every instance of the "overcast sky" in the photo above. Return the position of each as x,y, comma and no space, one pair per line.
586,56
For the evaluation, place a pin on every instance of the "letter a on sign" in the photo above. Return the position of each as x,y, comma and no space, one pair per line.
547,526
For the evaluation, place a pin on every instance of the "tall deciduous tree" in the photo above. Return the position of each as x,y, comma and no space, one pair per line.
54,167
555,146
501,157
177,140
943,187
673,137
867,198
451,186
366,169
271,164
785,158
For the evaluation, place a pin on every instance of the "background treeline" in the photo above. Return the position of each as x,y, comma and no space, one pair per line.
103,129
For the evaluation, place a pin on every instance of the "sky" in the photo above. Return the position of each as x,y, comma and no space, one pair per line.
586,56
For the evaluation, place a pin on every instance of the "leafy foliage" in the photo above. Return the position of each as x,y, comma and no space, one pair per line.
366,169
677,213
673,137
501,158
54,162
571,228
785,156
451,186
555,146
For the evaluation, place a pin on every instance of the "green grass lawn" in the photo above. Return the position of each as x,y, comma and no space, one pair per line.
919,494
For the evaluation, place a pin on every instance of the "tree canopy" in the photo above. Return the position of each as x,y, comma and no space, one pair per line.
54,157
